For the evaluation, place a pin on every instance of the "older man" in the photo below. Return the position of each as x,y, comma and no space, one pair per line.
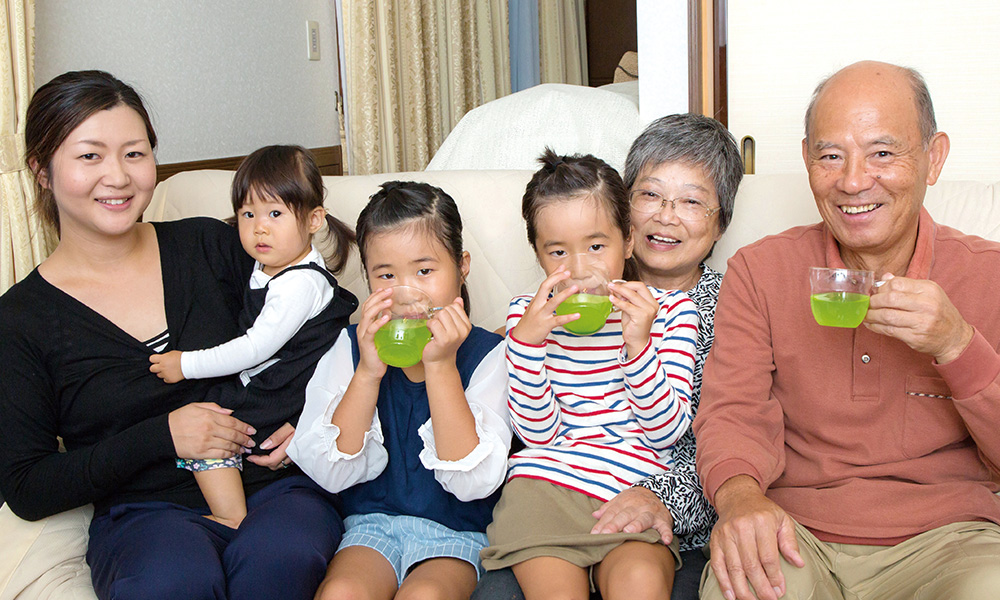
858,463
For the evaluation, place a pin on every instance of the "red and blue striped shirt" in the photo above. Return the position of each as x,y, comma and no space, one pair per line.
593,419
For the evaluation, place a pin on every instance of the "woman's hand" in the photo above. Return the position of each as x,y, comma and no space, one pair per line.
203,430
639,310
371,321
635,510
540,316
278,458
167,366
449,328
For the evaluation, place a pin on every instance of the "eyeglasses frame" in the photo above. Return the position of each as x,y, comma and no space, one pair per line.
673,205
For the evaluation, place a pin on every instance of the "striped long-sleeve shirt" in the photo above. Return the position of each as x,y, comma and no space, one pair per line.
593,419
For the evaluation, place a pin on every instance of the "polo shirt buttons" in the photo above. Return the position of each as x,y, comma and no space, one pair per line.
866,359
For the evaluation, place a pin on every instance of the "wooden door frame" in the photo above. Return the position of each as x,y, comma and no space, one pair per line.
707,35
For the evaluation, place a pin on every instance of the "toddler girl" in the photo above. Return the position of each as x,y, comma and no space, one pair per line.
596,412
417,453
293,310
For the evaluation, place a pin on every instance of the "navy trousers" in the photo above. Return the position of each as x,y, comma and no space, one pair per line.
154,550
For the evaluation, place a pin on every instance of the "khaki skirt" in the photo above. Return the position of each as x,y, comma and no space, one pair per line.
536,518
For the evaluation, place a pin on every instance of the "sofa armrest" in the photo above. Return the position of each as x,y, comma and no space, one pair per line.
45,559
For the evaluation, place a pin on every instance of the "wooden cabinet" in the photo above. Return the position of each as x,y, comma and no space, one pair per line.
611,32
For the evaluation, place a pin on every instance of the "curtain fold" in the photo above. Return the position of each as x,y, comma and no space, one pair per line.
413,68
525,60
562,33
24,240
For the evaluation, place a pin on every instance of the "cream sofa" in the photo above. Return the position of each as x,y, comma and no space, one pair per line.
45,559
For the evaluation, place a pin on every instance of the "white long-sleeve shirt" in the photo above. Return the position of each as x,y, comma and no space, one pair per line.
291,300
477,475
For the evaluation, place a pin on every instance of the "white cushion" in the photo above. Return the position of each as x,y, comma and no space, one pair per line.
511,132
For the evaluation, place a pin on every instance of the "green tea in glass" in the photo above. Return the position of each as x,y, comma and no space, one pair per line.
839,297
400,342
592,302
594,310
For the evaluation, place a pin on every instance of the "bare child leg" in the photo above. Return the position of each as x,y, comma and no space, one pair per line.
439,579
551,578
636,571
223,490
359,573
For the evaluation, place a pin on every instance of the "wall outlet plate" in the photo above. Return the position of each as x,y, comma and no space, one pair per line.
312,29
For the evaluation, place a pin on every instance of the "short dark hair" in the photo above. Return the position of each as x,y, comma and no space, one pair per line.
693,140
921,98
573,175
59,107
289,174
400,204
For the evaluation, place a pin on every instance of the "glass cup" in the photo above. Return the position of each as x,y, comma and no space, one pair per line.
592,300
839,297
400,342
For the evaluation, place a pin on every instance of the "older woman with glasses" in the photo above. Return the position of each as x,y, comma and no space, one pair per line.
682,172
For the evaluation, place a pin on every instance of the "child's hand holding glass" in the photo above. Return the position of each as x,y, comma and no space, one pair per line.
449,327
540,316
374,314
638,308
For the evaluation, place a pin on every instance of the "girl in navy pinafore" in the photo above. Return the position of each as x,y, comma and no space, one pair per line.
293,311
416,453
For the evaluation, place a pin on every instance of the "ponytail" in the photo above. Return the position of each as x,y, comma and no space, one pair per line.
344,238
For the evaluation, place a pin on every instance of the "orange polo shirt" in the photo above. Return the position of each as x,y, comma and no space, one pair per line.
858,437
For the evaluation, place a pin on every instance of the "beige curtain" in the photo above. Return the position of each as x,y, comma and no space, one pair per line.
24,241
413,69
562,41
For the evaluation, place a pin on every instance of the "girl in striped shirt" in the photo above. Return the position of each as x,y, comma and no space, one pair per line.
596,412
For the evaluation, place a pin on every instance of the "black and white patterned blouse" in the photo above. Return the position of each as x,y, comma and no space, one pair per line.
680,489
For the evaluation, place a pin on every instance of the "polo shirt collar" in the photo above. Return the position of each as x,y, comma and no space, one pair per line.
923,251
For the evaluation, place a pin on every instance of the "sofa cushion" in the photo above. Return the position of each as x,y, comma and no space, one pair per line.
46,558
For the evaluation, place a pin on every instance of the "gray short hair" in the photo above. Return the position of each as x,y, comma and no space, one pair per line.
921,96
693,140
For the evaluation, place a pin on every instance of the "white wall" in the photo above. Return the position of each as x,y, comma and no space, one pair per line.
220,78
663,57
780,49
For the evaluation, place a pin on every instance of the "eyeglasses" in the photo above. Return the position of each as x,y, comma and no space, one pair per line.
687,209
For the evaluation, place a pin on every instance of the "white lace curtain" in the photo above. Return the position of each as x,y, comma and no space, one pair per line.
562,34
412,69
